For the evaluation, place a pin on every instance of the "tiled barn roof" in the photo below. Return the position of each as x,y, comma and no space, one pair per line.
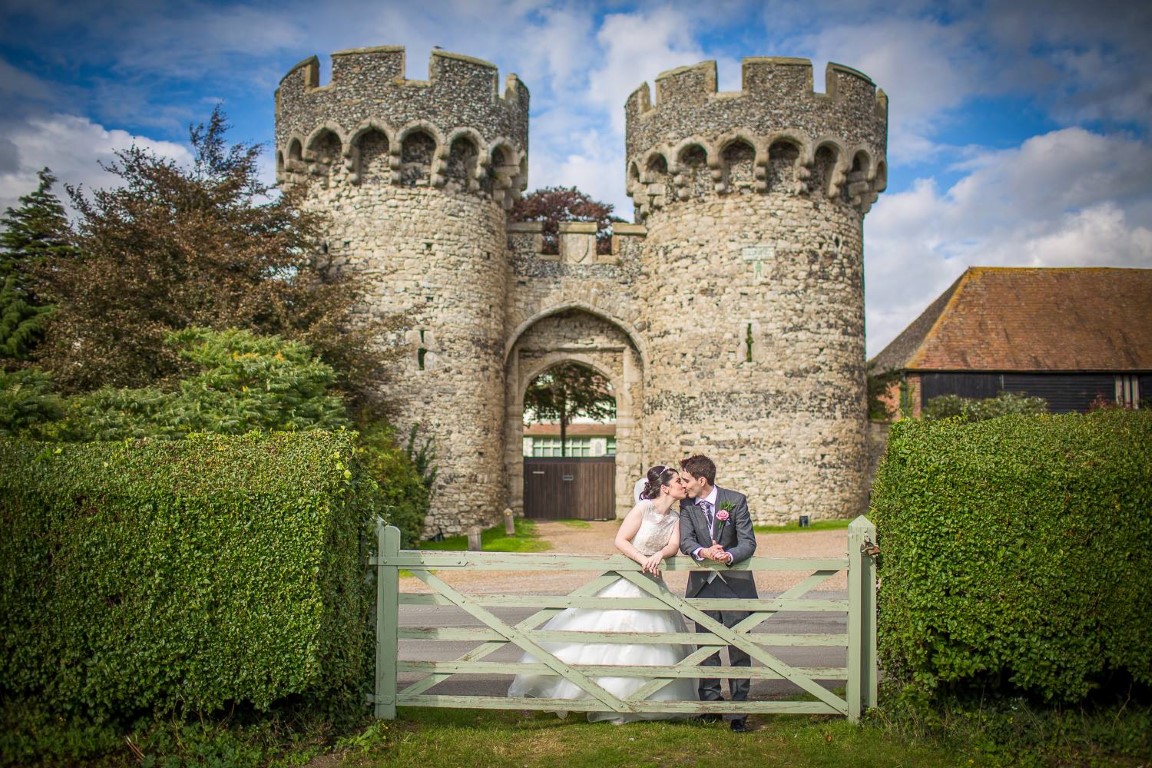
1031,319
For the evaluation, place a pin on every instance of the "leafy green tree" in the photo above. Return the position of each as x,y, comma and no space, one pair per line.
403,493
207,246
946,407
879,384
567,391
33,232
249,381
242,382
552,205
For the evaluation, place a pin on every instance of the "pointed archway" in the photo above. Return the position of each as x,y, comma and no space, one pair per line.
579,336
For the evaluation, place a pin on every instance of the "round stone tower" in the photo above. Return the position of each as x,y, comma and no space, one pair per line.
753,276
415,177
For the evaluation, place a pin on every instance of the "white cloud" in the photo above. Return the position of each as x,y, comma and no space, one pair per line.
73,148
593,166
581,77
579,141
904,266
637,47
1099,236
1051,174
926,69
553,53
19,85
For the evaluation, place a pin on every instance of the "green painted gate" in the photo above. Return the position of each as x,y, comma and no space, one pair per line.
754,635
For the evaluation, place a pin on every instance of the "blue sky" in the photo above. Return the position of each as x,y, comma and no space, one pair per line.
1017,136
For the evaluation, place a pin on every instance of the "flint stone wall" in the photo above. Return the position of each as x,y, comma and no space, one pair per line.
412,249
787,426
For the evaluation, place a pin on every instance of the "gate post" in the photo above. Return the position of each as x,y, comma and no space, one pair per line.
861,689
387,619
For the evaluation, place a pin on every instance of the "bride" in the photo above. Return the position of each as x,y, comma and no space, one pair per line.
649,533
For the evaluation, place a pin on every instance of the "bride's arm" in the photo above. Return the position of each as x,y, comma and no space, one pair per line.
628,530
673,545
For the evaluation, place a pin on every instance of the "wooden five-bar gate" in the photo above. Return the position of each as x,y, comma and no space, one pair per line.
436,644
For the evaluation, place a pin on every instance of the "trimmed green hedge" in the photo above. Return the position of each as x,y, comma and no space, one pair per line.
1017,552
181,575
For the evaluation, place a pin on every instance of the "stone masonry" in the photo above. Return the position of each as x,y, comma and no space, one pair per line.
729,319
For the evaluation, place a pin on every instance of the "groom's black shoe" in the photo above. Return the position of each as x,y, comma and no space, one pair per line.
710,717
738,726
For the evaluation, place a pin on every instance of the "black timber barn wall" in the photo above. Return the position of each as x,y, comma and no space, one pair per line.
1065,392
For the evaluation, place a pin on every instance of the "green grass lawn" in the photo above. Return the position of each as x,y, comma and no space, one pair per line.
495,540
433,738
815,525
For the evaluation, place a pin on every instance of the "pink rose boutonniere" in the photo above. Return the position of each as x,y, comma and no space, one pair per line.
722,516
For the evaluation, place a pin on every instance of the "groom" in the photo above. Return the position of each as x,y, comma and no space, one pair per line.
706,537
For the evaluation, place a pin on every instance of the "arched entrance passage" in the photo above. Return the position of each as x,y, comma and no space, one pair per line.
580,336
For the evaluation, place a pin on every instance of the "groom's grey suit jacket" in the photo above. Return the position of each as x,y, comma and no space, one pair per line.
737,537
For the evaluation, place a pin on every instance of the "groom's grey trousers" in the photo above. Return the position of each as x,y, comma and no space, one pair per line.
710,687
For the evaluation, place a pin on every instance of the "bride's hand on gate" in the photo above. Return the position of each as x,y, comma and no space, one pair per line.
652,564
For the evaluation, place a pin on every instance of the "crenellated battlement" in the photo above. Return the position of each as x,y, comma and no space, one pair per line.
385,65
456,127
770,77
777,133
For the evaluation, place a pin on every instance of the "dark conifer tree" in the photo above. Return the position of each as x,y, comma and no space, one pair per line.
34,232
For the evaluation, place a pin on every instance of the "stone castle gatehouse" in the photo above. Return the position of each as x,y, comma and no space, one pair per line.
729,319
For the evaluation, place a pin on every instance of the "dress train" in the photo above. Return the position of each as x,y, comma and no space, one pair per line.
550,686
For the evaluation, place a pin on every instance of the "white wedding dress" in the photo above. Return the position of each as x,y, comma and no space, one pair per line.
651,538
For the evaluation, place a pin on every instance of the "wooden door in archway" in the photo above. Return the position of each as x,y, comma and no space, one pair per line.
570,488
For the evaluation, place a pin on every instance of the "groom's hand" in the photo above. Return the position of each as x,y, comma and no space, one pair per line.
717,553
714,552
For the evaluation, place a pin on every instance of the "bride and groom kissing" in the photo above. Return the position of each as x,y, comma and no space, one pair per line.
680,510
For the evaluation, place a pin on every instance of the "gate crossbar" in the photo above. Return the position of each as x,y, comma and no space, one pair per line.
527,636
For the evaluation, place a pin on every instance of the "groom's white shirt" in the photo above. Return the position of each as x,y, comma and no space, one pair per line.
711,499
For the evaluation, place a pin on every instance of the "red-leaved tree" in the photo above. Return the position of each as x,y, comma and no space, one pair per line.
552,205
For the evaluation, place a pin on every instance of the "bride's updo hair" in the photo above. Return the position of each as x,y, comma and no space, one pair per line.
657,476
